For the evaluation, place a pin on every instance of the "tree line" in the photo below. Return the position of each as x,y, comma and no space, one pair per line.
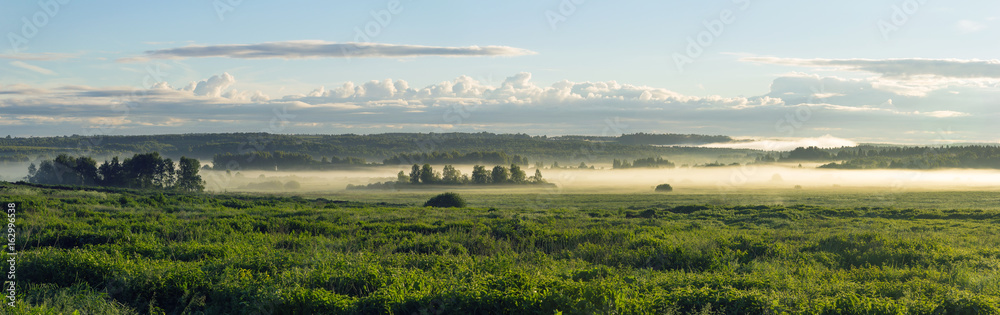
376,147
919,158
144,171
454,157
278,160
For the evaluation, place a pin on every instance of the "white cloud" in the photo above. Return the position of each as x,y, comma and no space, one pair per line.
945,114
33,68
213,86
324,49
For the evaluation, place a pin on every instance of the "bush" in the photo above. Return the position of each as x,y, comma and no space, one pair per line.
664,188
446,200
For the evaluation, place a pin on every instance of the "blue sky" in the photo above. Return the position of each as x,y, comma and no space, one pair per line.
588,62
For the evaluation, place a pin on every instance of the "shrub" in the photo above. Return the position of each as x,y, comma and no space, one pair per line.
446,200
664,188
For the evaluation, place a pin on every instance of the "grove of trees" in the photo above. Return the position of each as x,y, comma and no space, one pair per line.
480,175
144,171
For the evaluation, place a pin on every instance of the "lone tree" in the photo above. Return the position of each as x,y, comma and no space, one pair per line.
446,200
664,188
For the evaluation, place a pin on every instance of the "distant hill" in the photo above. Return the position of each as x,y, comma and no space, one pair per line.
671,139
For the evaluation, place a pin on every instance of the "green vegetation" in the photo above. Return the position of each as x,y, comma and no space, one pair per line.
121,251
146,171
663,188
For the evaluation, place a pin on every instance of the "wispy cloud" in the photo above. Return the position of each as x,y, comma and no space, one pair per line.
953,68
324,49
30,67
38,56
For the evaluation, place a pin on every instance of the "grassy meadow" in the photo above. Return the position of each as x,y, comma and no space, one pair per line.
117,251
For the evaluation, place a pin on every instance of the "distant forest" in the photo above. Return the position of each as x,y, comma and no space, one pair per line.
919,158
377,147
284,161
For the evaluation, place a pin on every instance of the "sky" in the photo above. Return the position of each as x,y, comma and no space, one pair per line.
911,71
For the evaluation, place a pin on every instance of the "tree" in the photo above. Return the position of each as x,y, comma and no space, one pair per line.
142,170
480,175
500,175
402,178
166,174
187,177
582,165
415,174
517,175
451,175
538,177
427,175
112,173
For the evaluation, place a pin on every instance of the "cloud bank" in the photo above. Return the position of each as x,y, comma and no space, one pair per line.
324,49
797,106
951,68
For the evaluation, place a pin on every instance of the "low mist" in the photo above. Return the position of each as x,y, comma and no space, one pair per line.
603,179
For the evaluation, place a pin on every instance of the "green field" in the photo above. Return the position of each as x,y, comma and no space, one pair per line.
115,251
